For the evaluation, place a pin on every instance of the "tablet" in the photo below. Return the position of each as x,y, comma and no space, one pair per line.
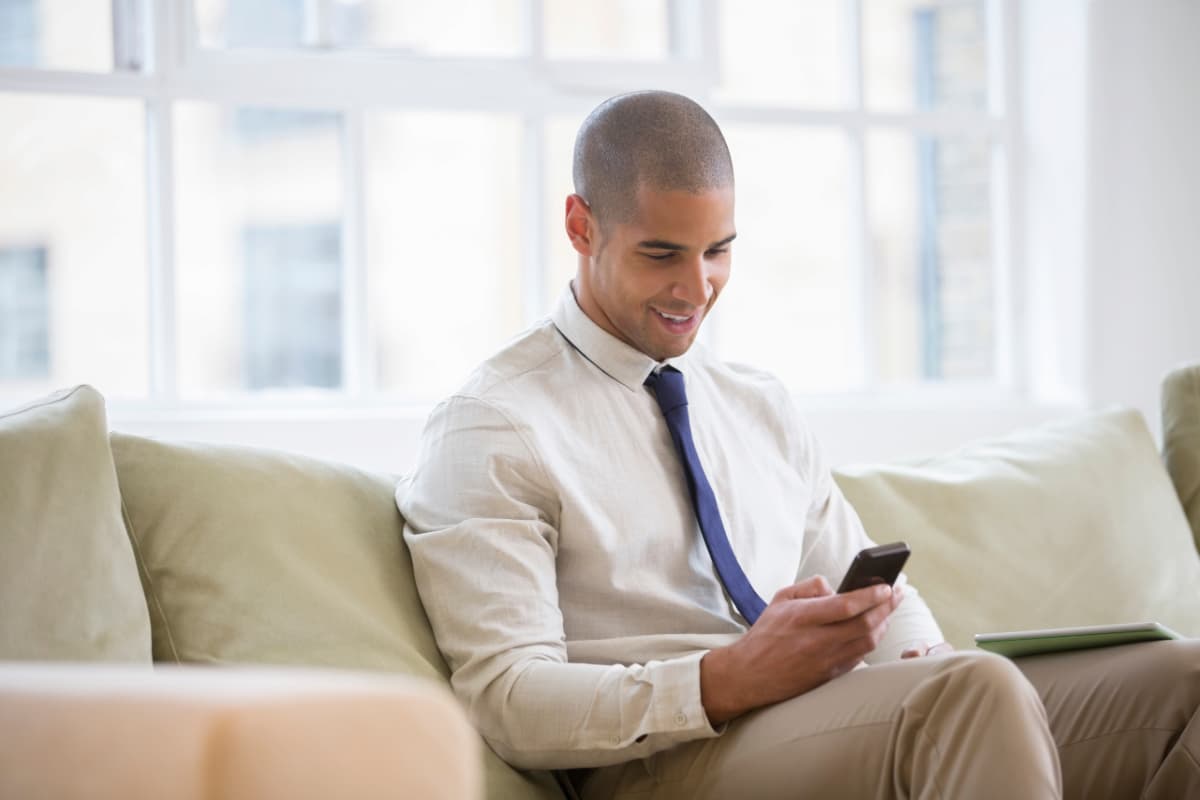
1056,640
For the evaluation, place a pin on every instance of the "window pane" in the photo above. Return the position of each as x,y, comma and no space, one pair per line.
57,34
788,306
265,23
24,314
933,286
73,245
784,52
925,54
258,249
598,29
443,245
293,306
464,27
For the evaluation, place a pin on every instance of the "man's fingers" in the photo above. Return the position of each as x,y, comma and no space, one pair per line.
836,608
815,586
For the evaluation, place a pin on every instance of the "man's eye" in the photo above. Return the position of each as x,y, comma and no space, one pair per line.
718,251
658,256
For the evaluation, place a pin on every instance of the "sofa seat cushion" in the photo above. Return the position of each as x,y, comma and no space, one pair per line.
262,557
1074,523
69,585
1181,439
190,733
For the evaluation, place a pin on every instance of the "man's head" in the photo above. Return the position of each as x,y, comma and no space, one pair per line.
651,219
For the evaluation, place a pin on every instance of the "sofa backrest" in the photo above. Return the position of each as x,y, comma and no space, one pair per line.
1073,523
251,556
1181,439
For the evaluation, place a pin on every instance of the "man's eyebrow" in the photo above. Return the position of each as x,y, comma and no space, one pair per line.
663,244
660,244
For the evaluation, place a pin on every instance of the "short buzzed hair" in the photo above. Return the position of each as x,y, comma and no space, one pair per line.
657,139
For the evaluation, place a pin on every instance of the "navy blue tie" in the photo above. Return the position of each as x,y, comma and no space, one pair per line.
667,386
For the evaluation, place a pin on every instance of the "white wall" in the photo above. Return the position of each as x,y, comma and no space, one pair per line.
1143,244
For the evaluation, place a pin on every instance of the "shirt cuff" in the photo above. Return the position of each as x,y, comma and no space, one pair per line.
680,713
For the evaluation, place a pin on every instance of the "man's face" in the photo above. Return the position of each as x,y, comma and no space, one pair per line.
651,282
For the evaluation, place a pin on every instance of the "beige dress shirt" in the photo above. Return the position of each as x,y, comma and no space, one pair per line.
558,556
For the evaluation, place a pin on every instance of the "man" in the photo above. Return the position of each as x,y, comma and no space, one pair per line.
595,513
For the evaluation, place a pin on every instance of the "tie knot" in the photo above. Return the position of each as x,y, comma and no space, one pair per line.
667,385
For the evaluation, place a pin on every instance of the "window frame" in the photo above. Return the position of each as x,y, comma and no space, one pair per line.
159,60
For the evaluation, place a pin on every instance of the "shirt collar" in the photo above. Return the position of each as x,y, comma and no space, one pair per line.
620,361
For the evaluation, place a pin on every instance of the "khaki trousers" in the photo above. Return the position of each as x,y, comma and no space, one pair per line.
1116,722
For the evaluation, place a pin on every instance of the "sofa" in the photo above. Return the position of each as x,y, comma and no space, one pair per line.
190,620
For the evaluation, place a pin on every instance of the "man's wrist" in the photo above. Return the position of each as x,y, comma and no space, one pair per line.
719,686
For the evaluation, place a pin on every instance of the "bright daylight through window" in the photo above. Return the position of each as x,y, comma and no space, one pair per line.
354,201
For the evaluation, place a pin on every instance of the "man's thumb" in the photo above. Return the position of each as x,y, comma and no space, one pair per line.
815,586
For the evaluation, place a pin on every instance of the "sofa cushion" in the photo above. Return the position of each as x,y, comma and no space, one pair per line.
68,580
1181,439
1074,523
261,557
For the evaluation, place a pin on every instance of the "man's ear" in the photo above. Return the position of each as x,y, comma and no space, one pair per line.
581,226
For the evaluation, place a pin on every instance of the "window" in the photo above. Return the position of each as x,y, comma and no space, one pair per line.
18,33
24,314
58,34
354,202
292,333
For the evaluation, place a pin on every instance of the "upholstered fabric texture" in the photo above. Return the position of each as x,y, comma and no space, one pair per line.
108,733
68,581
1181,439
1074,523
260,557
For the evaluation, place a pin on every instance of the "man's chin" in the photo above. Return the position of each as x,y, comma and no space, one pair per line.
666,350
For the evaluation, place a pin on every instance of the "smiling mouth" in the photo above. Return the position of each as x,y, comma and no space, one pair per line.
674,317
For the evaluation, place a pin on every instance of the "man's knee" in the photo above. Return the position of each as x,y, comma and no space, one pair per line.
978,674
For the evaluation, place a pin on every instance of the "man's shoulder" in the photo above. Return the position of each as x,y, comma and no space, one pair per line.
736,376
528,361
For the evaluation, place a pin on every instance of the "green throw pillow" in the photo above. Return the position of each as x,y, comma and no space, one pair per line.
262,557
69,588
1074,523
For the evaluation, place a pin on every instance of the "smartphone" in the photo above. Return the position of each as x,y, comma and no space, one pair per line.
880,564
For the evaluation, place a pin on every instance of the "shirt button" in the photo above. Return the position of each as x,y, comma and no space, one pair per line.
616,739
681,719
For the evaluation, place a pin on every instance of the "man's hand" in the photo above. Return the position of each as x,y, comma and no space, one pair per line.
920,649
806,636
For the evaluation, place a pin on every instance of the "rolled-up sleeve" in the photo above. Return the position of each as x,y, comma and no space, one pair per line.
481,516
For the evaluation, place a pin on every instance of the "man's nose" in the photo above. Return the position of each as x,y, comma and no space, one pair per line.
693,284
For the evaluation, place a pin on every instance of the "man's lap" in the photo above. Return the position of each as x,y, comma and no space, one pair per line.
1122,707
835,738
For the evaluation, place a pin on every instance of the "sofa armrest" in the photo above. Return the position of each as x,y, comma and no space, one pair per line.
72,731
1181,439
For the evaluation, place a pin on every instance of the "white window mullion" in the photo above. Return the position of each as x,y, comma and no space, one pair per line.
534,27
357,350
534,268
859,310
160,163
1011,323
129,24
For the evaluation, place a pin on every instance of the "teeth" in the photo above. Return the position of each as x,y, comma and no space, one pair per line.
674,318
